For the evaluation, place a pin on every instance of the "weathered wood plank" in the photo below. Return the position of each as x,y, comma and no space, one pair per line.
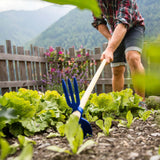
22,58
19,83
10,63
22,68
16,63
3,70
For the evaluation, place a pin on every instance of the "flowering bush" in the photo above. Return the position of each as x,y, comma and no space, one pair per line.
63,67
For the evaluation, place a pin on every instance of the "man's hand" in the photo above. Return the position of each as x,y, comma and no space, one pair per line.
108,55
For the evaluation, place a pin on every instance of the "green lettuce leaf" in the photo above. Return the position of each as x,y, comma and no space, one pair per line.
74,133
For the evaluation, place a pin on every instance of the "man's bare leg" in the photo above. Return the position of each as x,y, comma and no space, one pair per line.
118,78
137,69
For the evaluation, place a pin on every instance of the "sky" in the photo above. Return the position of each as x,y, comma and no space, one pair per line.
24,5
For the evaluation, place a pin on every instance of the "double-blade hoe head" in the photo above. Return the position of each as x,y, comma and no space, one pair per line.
75,104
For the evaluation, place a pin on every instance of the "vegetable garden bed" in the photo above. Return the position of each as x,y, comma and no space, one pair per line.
133,134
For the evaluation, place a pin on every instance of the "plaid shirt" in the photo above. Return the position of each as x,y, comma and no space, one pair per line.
119,11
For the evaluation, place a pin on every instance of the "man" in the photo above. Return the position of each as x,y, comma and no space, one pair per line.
122,24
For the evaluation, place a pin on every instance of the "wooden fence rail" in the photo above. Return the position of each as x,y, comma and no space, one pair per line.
25,68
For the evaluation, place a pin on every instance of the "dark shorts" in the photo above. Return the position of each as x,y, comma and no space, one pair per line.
133,40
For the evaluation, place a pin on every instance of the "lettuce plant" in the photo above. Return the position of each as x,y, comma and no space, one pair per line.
144,114
129,118
105,126
74,135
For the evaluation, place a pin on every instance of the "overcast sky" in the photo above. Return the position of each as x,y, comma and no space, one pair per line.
23,4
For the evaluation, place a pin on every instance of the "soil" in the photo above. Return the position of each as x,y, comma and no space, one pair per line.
140,142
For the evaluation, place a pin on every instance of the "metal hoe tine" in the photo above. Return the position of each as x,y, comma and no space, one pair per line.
71,91
76,91
87,130
66,92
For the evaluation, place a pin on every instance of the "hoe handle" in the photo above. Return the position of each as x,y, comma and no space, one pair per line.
92,84
90,87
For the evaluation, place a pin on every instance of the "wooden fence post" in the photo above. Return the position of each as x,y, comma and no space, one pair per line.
10,64
22,67
16,64
3,69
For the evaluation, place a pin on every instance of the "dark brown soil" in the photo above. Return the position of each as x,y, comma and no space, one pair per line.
140,142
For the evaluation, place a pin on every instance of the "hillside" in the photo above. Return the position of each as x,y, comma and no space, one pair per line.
150,9
74,29
22,26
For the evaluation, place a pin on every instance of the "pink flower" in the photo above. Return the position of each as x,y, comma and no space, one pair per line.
81,46
47,54
51,49
79,55
87,54
52,70
60,52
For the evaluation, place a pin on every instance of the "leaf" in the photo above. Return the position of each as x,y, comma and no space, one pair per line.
107,124
60,127
24,141
16,128
74,133
99,123
88,143
129,118
51,135
26,154
58,149
7,113
144,115
82,4
3,101
5,148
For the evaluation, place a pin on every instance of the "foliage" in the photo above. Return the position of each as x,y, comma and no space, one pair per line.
82,4
105,126
4,148
74,135
152,71
63,67
24,143
27,112
114,104
129,118
144,114
26,154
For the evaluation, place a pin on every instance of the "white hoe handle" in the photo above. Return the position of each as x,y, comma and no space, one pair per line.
90,87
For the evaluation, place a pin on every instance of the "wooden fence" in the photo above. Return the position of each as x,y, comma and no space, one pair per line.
25,68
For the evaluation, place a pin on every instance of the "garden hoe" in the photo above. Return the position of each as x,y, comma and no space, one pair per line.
78,105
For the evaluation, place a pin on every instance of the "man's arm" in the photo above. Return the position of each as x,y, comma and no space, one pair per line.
114,42
103,29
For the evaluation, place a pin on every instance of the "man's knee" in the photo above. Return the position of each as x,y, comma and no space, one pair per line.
118,71
133,58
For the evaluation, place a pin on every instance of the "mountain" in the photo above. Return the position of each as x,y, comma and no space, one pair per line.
150,10
22,26
74,29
